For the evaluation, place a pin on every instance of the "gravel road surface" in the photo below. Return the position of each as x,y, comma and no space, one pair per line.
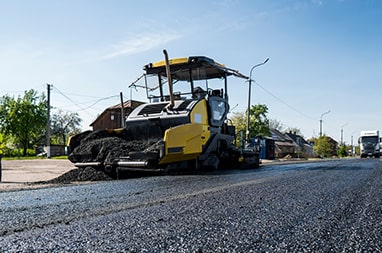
309,207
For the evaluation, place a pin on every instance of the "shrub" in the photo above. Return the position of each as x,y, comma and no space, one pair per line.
341,152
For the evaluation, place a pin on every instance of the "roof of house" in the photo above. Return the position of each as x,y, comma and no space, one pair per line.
296,138
126,104
278,136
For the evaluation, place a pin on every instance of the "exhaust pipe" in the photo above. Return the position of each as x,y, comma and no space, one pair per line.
169,80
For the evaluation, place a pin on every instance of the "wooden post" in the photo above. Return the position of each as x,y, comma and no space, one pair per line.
122,111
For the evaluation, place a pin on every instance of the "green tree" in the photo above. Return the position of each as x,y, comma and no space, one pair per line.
322,146
342,151
24,118
275,124
258,123
63,125
239,121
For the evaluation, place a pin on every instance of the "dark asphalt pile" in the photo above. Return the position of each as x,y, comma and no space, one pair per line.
104,146
80,175
100,146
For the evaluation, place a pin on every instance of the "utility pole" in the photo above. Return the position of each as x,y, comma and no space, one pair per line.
122,111
342,133
321,121
48,123
249,99
352,145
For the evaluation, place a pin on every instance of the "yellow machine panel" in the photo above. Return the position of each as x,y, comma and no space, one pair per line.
199,113
184,142
171,61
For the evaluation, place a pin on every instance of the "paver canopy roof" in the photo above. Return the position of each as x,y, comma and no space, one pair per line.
201,68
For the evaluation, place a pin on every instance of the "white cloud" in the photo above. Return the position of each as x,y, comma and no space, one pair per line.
140,44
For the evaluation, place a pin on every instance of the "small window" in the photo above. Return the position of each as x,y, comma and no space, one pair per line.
218,110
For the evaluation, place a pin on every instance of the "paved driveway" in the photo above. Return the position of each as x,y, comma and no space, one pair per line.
18,174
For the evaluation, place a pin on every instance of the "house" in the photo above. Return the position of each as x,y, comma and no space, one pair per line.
55,150
275,146
279,145
302,147
111,118
283,145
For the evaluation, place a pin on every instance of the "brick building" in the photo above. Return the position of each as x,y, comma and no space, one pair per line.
111,118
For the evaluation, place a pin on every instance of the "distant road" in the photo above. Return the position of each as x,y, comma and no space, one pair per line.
321,206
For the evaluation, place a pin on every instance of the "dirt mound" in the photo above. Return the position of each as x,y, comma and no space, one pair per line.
79,175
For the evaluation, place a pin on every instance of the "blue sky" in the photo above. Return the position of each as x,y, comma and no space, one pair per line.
324,54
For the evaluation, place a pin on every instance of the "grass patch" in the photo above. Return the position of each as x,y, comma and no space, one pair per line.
34,158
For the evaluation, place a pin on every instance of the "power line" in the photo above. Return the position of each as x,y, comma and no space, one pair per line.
282,101
99,100
291,107
81,95
79,104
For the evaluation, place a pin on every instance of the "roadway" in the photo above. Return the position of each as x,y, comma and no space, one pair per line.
321,206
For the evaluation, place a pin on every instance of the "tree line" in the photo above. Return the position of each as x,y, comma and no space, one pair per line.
260,126
23,124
